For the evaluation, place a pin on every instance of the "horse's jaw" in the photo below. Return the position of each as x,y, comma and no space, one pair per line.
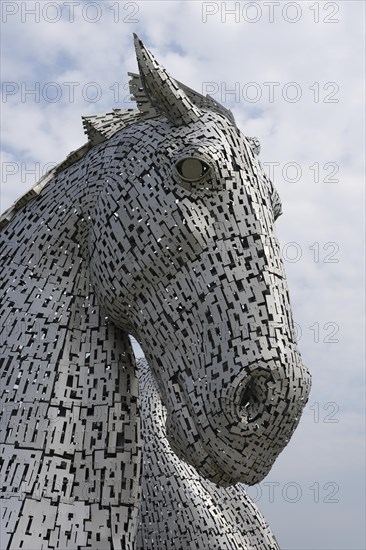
196,455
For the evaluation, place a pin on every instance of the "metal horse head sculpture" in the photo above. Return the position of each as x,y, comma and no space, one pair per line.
161,227
204,291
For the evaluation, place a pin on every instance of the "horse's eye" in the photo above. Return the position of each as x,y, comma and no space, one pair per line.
192,169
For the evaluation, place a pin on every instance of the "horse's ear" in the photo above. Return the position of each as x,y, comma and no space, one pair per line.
162,90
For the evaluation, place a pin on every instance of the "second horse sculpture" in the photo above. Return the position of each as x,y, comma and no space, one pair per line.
161,226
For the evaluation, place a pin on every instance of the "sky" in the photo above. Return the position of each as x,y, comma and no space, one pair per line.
293,75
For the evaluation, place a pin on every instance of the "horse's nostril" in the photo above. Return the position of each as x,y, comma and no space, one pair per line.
252,401
246,397
249,406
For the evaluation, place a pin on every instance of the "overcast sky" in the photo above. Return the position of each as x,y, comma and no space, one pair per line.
295,71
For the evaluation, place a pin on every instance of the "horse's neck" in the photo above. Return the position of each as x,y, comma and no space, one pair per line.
69,390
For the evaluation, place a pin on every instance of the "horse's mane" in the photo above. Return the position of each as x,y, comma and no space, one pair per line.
100,128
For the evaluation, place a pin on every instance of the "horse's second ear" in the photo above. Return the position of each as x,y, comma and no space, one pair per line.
163,91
